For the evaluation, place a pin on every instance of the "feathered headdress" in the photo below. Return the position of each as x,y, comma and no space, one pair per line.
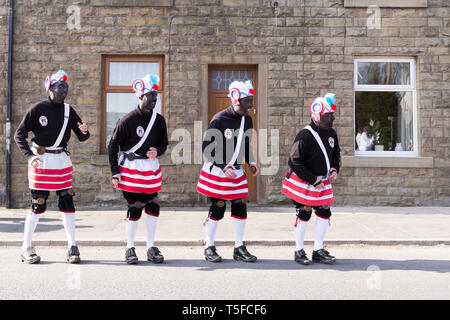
323,105
146,84
60,75
238,90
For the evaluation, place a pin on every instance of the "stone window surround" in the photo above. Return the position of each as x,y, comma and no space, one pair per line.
387,162
391,161
410,88
386,3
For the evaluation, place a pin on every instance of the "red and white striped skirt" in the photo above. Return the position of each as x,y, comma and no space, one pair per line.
53,174
304,193
213,183
140,175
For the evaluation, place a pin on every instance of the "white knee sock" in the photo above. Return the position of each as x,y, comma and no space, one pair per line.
239,228
300,231
211,228
319,232
131,228
31,222
69,226
151,223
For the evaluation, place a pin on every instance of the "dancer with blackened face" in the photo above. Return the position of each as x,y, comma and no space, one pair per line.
314,164
141,135
49,164
226,143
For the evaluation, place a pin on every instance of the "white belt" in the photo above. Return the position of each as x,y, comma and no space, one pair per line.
35,146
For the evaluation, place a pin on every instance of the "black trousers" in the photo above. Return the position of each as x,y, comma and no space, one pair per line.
65,201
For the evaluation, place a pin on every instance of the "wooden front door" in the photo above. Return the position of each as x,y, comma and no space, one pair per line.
220,77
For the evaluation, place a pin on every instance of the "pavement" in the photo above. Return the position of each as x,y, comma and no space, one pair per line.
265,226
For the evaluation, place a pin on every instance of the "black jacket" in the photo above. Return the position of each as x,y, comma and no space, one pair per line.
125,136
306,158
225,122
45,119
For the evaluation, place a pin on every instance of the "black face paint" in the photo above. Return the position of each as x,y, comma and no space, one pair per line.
59,91
148,102
245,104
326,120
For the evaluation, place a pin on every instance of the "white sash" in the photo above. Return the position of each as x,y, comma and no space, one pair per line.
319,141
144,137
238,144
63,129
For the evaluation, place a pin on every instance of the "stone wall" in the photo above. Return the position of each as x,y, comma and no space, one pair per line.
306,50
4,13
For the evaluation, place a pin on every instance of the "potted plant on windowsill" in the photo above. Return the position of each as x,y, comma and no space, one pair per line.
378,145
380,134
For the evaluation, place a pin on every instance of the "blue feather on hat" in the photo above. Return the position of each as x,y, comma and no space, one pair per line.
330,98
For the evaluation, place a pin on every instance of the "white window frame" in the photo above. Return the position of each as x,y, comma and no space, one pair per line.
384,88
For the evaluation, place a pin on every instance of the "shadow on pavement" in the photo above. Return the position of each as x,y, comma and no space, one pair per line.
344,265
16,225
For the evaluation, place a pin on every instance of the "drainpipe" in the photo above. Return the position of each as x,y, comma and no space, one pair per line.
8,107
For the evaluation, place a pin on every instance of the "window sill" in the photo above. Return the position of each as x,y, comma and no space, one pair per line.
386,3
387,162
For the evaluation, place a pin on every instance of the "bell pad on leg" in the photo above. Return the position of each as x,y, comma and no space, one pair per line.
323,213
39,201
238,209
134,213
217,209
65,201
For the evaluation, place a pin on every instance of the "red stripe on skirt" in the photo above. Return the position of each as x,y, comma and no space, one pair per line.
223,188
222,196
297,179
138,189
141,181
39,178
307,192
50,186
51,171
142,173
219,179
307,202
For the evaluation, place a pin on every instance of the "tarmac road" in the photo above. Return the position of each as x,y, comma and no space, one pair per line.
361,272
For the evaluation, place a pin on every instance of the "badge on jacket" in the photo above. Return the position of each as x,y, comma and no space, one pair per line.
331,142
43,120
228,133
140,131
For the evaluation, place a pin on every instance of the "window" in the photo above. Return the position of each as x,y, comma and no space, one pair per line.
118,98
221,79
385,107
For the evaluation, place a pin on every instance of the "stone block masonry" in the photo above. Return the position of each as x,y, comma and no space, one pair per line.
307,50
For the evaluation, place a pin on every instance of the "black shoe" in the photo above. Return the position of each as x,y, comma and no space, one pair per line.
242,254
130,256
300,257
73,255
211,254
323,256
154,255
29,256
